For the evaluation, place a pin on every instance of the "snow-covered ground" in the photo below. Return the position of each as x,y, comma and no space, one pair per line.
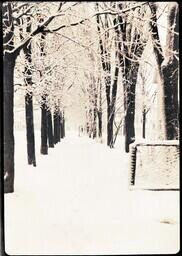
77,201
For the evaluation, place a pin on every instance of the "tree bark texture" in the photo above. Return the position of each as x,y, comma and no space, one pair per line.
143,123
94,112
129,63
170,76
113,95
56,118
90,113
168,67
8,99
29,106
50,129
106,66
44,127
30,129
113,103
61,125
99,112
8,91
129,87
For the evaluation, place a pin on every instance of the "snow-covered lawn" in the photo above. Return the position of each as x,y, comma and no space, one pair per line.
77,201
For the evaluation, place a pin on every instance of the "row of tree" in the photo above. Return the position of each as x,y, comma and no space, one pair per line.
126,30
50,134
112,37
52,128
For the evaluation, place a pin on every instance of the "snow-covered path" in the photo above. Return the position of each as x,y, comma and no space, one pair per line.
77,201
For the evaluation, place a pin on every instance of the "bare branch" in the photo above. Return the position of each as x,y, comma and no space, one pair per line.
20,7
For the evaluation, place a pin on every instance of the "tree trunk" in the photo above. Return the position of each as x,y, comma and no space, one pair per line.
113,103
99,113
168,67
95,114
87,128
130,73
56,126
59,125
44,132
63,124
94,102
50,129
106,66
170,75
90,123
30,129
8,99
143,123
111,99
8,90
94,123
108,88
44,122
171,111
130,105
29,106
110,129
133,47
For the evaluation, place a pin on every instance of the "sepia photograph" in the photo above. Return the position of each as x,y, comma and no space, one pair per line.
90,134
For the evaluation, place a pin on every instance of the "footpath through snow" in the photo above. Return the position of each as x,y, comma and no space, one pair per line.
77,201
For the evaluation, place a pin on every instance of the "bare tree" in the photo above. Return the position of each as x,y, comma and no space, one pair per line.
133,44
105,51
168,65
10,13
88,59
28,96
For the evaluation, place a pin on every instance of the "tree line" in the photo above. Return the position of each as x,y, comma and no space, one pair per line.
114,36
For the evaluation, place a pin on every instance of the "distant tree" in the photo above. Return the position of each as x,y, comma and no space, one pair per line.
92,112
99,111
57,125
105,52
44,107
133,43
50,129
